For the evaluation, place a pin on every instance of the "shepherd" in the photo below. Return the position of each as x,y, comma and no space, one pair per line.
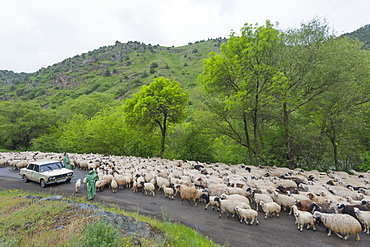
91,179
67,161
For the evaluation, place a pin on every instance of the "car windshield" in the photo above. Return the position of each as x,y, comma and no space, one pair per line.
50,167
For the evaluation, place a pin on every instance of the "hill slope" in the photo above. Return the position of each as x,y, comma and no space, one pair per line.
119,69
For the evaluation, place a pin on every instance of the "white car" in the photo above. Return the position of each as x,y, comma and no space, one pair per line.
46,172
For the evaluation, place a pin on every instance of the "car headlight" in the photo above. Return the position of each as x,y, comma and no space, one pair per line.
70,174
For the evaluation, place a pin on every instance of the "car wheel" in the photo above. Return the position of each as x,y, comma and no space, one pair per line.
24,178
68,180
42,183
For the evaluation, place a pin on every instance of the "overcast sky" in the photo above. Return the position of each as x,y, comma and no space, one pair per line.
39,33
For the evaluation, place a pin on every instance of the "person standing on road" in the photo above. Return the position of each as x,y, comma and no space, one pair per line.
67,161
91,179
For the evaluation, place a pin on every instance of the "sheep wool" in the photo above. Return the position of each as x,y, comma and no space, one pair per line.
340,224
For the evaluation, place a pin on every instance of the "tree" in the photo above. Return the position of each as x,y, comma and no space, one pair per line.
339,109
315,63
21,123
244,78
159,104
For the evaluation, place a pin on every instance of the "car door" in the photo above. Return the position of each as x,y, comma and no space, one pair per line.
28,171
35,176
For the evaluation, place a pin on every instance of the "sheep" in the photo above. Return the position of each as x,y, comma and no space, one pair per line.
189,193
168,192
114,185
364,218
78,185
296,211
261,197
316,198
340,224
305,218
270,208
223,196
122,180
229,206
284,201
210,200
136,186
162,181
323,208
304,205
148,187
246,214
351,201
349,209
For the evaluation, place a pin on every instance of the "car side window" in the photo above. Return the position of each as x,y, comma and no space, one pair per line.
36,168
30,167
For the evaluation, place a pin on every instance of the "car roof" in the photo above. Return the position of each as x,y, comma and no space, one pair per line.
43,162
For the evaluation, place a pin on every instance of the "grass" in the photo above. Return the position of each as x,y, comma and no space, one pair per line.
26,222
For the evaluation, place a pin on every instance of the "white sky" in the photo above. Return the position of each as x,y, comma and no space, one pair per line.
39,33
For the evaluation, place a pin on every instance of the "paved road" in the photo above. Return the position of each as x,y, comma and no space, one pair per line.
271,232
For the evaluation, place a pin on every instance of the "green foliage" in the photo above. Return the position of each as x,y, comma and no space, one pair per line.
100,234
159,104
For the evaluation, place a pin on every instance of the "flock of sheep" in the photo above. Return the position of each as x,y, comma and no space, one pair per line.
339,200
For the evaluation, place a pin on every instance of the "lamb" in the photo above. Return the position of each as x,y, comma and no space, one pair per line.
305,218
270,208
114,185
284,201
78,185
246,214
364,218
189,193
148,187
340,224
210,200
168,192
229,206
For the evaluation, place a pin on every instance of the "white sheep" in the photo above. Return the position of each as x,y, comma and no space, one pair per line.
168,192
364,218
270,208
228,206
148,187
340,224
237,197
114,185
284,201
162,181
305,218
78,185
246,214
257,197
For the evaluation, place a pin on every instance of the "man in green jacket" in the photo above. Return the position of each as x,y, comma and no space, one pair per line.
67,162
91,179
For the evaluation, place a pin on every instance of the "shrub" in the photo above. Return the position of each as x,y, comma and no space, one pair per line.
100,234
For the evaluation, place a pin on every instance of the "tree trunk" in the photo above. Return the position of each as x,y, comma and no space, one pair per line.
250,152
163,132
288,143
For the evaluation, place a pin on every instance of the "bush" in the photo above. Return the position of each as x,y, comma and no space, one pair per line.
100,234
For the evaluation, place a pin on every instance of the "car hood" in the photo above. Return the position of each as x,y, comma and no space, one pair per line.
57,172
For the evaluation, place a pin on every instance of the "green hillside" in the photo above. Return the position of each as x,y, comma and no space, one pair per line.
120,69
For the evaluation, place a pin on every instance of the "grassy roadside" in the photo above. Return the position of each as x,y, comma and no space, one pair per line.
30,222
